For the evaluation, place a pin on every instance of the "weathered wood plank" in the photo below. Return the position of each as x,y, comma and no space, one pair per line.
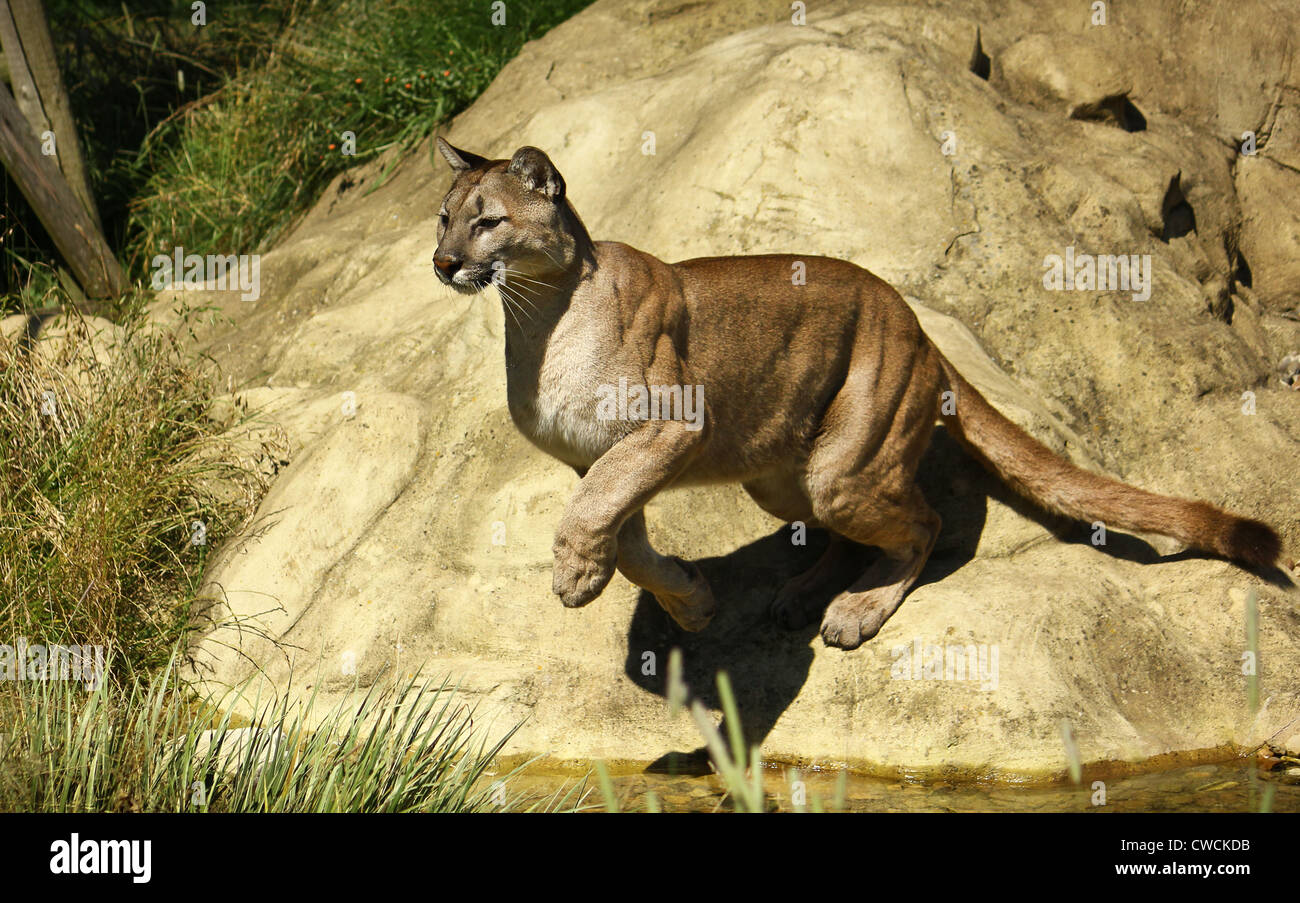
78,239
38,50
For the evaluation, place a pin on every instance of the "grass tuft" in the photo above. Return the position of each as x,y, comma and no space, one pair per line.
116,486
147,747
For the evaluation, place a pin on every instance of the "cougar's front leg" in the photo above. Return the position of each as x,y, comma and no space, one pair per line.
616,486
677,585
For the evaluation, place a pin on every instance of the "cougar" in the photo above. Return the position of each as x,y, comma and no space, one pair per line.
817,394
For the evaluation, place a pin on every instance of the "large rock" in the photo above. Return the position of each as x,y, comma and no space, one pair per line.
413,527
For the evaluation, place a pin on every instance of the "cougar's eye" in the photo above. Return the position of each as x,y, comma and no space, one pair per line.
442,218
489,222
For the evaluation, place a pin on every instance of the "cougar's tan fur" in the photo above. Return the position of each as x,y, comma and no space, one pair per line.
819,398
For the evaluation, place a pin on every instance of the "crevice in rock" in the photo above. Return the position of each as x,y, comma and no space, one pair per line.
1117,110
1241,271
1177,215
980,63
1129,117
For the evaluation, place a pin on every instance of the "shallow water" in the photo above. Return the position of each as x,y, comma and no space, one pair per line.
1237,786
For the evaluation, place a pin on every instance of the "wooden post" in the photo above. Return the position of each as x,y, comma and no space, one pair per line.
20,74
35,49
75,234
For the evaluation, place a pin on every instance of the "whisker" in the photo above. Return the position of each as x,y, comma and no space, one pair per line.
510,310
530,307
512,304
524,278
522,294
524,299
507,303
522,274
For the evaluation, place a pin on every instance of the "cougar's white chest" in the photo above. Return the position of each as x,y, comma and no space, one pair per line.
553,386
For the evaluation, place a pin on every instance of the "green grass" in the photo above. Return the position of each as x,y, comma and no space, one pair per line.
108,458
100,496
235,171
33,285
147,747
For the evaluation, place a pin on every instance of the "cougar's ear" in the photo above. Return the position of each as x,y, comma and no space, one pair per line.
537,172
458,159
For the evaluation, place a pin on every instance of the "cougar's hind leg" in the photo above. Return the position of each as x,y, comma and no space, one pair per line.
905,530
801,599
861,479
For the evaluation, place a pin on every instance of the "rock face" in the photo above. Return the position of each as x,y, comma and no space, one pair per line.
413,526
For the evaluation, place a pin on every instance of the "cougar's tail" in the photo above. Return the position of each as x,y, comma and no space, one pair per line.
1036,472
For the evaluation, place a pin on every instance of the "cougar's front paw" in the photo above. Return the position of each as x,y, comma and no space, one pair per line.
583,565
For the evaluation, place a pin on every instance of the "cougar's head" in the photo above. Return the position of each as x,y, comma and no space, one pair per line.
502,218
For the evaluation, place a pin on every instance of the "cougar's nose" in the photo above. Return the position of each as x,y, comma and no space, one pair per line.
446,265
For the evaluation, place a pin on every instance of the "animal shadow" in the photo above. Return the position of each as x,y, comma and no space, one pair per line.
767,665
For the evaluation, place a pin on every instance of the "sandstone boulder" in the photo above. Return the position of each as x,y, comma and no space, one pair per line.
412,528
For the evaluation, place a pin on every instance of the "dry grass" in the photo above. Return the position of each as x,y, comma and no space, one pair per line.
108,460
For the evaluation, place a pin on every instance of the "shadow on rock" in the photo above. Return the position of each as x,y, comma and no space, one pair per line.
766,664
